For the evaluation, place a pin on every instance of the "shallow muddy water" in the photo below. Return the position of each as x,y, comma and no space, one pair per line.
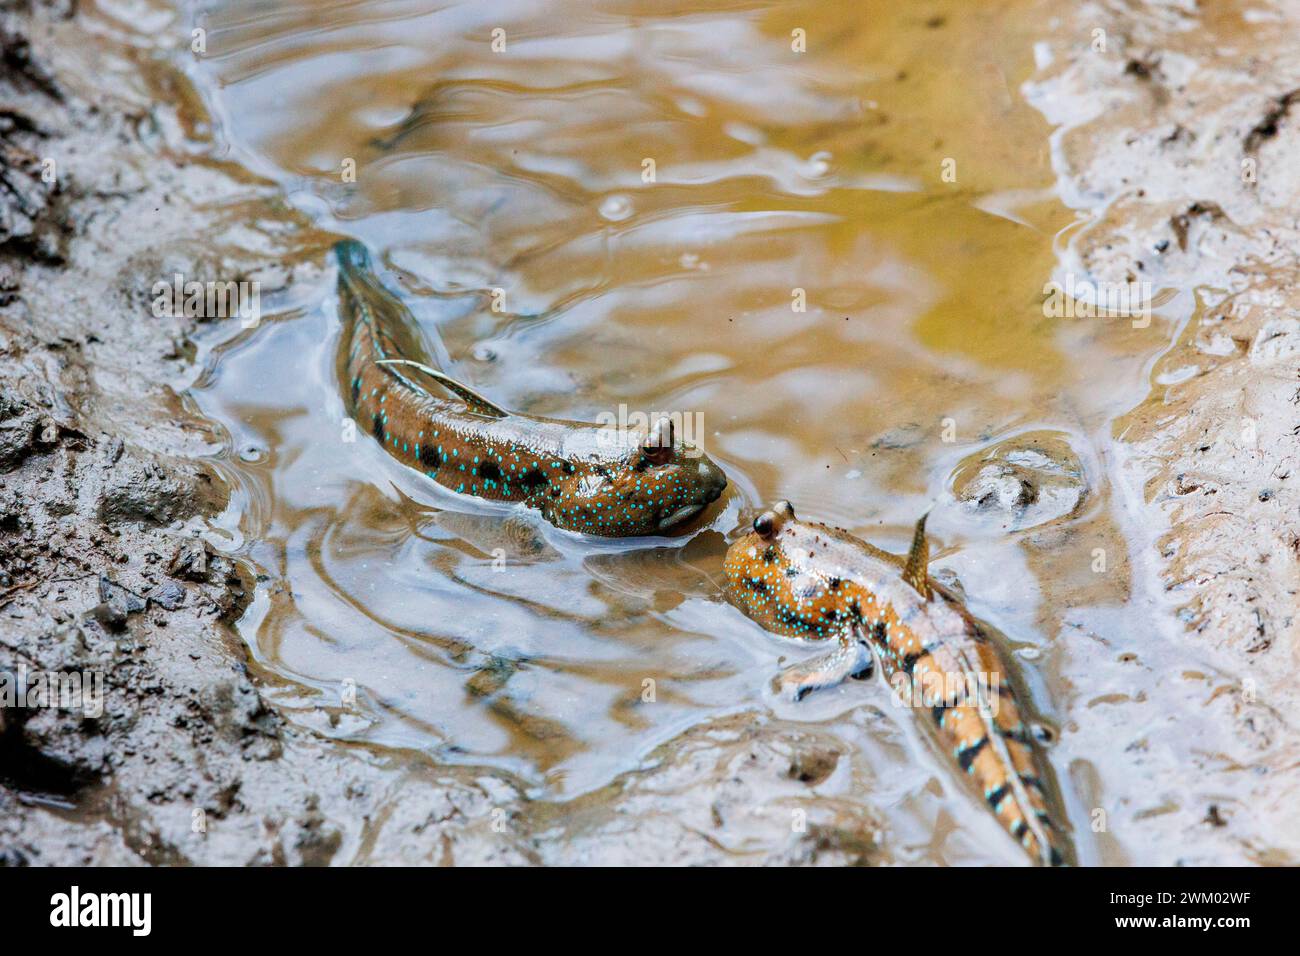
516,176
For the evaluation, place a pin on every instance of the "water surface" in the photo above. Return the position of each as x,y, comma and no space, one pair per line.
517,177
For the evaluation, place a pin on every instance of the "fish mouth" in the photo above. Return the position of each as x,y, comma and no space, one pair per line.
681,514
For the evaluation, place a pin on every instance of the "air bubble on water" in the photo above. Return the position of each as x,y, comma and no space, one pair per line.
853,474
484,353
252,454
745,133
382,116
688,260
689,104
616,208
819,163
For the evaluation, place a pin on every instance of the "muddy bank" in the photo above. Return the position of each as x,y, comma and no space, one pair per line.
104,495
1177,128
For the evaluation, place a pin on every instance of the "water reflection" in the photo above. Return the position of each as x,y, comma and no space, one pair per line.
667,210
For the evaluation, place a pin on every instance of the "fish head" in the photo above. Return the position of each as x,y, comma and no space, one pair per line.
656,485
764,577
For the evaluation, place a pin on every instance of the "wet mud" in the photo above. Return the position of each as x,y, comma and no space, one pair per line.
1174,132
105,499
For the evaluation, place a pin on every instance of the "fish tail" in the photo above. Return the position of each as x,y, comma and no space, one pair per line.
991,744
377,316
371,314
362,293
1017,794
353,256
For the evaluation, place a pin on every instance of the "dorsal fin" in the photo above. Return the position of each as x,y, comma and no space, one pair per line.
915,572
476,401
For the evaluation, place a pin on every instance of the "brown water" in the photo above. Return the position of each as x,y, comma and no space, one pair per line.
923,346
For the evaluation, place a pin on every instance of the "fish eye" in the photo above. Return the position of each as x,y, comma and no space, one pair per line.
658,446
765,524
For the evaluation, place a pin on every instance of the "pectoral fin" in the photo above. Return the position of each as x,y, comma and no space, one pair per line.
850,658
475,401
918,560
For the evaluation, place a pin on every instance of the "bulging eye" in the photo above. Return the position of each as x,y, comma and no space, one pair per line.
658,446
765,525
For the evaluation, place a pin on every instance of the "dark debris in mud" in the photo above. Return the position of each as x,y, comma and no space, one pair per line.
33,214
1270,123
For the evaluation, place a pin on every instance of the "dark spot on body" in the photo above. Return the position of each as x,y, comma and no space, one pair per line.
489,471
1032,780
1018,735
377,427
966,756
532,480
431,459
788,618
